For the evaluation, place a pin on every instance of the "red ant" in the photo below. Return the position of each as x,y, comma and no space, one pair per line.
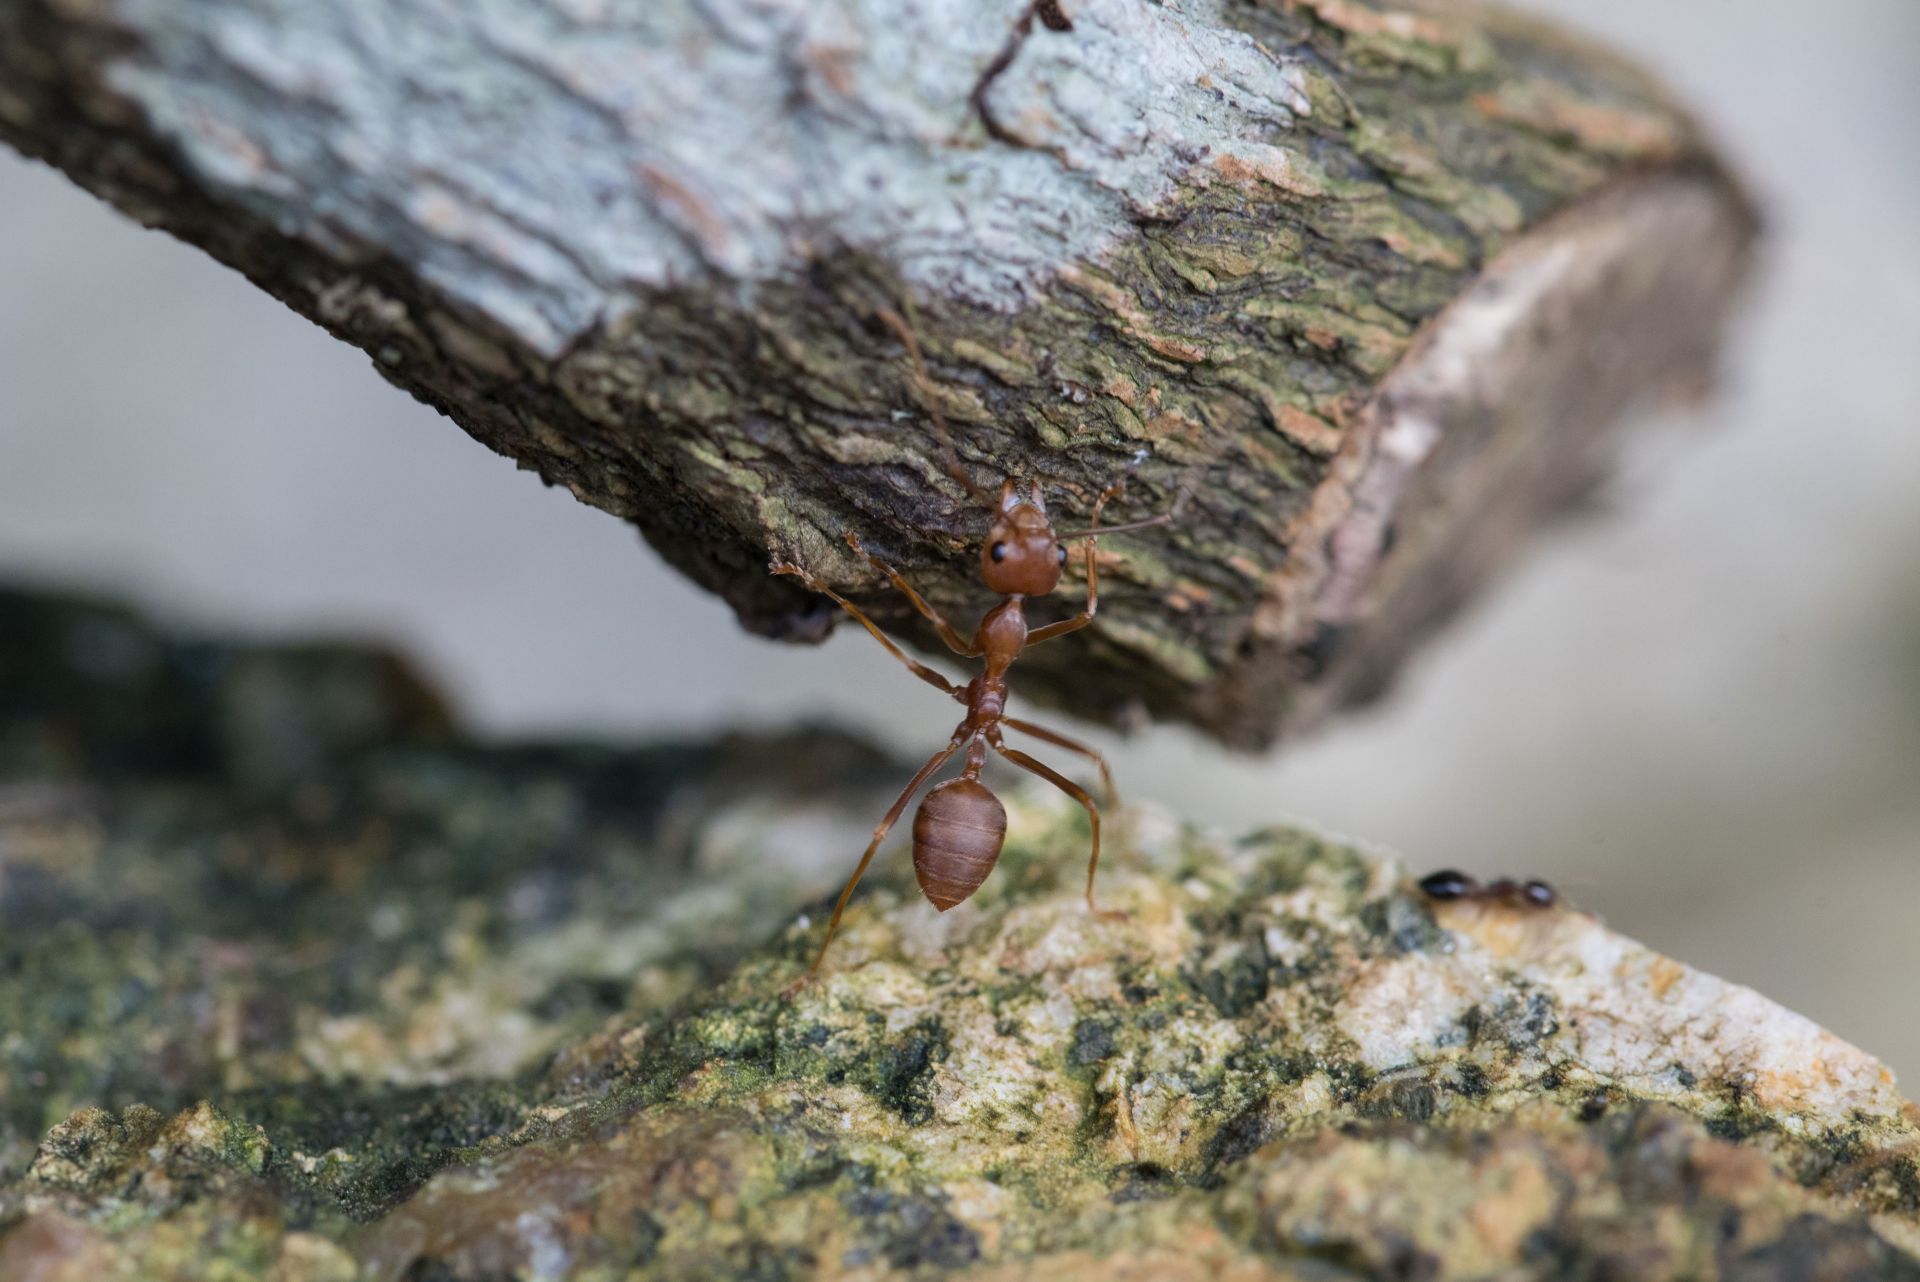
960,826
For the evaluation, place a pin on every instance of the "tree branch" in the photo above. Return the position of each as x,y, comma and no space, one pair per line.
1366,284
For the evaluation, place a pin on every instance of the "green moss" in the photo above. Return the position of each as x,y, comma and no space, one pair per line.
455,1009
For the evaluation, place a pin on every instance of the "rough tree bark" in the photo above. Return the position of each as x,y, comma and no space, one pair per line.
1365,283
298,984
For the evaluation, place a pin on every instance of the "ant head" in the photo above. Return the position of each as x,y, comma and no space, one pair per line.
1022,555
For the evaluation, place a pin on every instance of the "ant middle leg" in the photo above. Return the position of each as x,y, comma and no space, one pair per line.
880,832
1073,790
914,666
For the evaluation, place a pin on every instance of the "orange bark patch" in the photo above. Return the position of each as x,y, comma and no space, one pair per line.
1596,127
1312,433
1663,975
1261,167
1364,21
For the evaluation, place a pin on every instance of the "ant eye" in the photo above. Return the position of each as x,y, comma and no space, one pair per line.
998,552
1063,554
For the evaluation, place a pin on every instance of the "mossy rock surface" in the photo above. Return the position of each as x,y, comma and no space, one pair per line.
296,983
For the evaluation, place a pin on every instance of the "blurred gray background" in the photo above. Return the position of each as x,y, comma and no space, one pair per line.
1700,716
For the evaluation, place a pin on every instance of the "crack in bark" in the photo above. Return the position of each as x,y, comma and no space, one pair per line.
1054,19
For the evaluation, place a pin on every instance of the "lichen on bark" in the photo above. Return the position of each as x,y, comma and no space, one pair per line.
297,982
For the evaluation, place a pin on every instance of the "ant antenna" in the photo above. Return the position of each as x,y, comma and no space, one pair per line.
1165,518
923,384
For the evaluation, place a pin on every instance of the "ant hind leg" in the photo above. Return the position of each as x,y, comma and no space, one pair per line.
1080,795
925,772
1059,740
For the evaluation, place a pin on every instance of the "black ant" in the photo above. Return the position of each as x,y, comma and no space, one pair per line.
1448,884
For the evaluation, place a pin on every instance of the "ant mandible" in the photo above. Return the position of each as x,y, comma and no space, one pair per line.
960,827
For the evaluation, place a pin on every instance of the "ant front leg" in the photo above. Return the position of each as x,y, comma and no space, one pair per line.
1080,795
1085,616
955,642
914,666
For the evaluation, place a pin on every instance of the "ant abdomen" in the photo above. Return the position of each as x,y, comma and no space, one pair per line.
957,835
